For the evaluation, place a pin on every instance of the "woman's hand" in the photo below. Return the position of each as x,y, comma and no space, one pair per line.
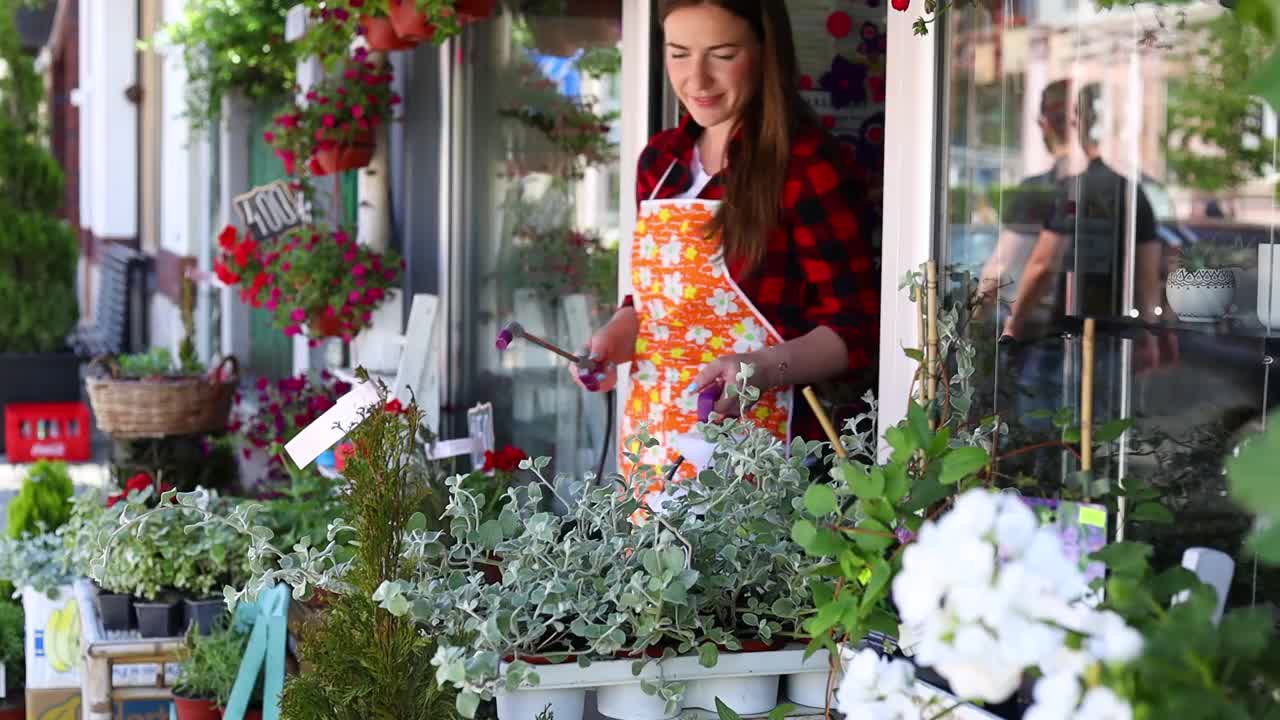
611,345
723,371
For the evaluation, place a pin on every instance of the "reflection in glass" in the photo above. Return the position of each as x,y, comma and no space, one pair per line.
541,218
1106,164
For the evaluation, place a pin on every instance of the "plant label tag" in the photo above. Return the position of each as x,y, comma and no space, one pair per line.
333,425
271,210
2,680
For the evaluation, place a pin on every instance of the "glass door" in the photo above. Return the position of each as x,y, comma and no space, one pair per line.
536,230
1106,164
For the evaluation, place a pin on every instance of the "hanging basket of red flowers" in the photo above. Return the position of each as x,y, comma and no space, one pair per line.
315,281
334,128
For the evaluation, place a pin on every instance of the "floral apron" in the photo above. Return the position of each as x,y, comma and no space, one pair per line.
690,312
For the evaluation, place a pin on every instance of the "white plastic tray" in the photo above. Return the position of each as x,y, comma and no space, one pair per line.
788,661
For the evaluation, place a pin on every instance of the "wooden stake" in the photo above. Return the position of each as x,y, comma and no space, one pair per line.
917,295
935,362
825,421
1086,399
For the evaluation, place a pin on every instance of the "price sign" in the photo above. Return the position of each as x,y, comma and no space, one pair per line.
271,210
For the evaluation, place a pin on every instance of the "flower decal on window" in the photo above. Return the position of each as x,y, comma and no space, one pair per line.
846,81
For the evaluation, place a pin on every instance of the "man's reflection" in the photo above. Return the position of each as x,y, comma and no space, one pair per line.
1026,210
1076,263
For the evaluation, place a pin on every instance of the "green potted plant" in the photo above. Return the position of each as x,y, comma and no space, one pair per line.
149,395
84,532
1199,290
333,128
210,664
12,659
213,557
38,251
147,563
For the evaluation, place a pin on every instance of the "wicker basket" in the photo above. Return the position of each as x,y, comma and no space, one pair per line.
158,407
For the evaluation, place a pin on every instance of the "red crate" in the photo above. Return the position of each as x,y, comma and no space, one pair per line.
47,431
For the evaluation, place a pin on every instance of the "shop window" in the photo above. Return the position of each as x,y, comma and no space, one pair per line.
537,239
1106,164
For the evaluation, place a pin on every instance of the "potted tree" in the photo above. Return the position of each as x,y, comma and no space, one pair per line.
12,659
210,663
38,251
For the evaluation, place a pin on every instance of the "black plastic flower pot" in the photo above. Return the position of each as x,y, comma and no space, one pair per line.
159,619
116,611
204,614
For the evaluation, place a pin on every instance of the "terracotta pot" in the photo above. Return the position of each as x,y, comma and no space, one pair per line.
339,157
408,22
381,35
196,709
472,10
323,327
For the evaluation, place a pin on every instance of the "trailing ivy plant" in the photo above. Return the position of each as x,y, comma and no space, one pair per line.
232,46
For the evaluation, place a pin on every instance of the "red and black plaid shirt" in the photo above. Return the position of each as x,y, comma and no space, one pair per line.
819,269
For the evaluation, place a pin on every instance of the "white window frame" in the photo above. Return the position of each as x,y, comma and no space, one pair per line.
910,201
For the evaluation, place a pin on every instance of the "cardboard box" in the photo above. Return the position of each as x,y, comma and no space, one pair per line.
53,639
59,704
64,704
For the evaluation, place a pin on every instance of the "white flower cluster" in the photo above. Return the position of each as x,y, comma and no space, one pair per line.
876,687
988,594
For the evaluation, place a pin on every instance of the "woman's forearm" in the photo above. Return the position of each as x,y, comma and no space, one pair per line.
814,357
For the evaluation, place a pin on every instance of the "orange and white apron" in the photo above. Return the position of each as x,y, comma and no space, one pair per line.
690,312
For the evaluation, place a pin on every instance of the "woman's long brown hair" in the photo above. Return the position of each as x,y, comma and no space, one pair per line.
757,168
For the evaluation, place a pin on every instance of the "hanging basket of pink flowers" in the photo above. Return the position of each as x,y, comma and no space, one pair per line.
334,128
315,281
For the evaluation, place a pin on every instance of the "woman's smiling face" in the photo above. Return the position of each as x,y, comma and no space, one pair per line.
713,62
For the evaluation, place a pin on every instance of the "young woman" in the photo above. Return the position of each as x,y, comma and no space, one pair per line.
747,248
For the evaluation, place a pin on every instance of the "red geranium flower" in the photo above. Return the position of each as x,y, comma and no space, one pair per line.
227,238
225,274
505,460
394,407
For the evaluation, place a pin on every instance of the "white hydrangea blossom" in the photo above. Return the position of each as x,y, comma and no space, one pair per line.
988,594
